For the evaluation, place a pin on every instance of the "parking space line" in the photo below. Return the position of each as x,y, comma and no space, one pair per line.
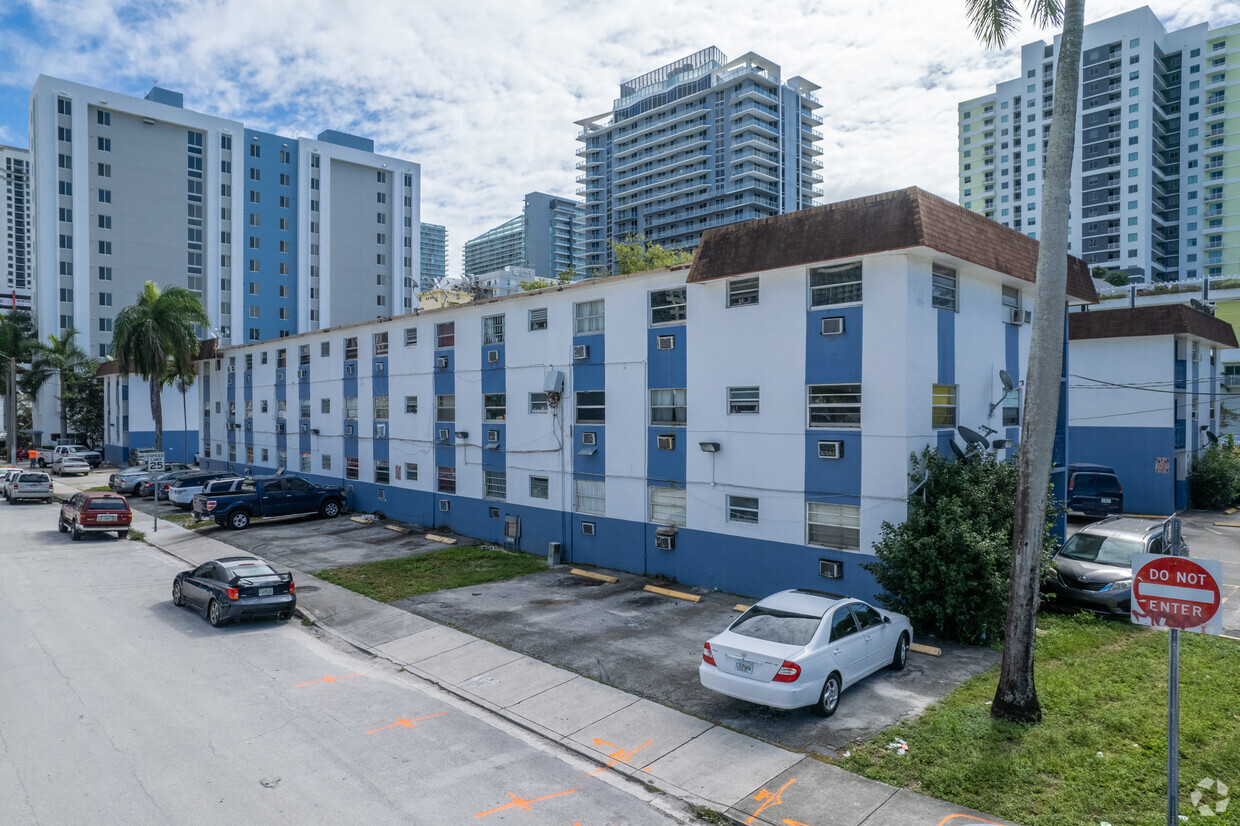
1230,593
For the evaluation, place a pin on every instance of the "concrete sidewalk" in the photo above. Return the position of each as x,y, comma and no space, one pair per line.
700,763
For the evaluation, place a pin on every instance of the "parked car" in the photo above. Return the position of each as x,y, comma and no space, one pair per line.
236,587
67,463
161,482
263,496
95,512
803,648
127,480
1094,490
1093,569
184,490
43,456
30,484
91,457
6,477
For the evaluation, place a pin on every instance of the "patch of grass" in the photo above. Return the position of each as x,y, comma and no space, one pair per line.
182,519
709,815
1103,689
99,488
136,535
391,579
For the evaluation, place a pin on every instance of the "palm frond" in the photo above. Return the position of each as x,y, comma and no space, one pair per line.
994,20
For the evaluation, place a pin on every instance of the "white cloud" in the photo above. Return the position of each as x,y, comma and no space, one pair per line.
484,94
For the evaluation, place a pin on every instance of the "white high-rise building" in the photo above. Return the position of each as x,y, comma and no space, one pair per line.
16,258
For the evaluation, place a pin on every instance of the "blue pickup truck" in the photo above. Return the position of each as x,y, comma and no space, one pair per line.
263,496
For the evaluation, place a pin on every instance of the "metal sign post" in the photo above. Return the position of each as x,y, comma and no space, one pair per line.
1171,541
155,466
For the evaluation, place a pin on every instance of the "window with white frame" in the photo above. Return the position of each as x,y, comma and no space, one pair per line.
494,406
305,463
411,472
445,408
668,306
589,496
381,407
833,526
411,404
1011,407
588,317
591,406
350,467
325,405
943,405
943,287
840,284
743,509
350,348
445,334
350,407
742,400
380,341
742,292
540,487
445,479
383,472
835,405
538,318
667,505
494,484
668,407
538,402
1011,298
327,461
493,329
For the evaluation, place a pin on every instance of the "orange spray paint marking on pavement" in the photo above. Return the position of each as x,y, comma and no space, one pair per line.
617,756
769,799
326,679
400,721
522,804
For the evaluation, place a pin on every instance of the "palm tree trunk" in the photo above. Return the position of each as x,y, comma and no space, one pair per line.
184,428
1016,697
157,411
64,413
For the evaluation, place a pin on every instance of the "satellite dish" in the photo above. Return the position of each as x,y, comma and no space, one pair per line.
973,437
1210,435
956,449
1006,378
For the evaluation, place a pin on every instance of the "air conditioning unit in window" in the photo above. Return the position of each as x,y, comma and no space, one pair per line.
381,430
665,543
1014,315
666,441
380,367
581,351
830,568
303,373
833,326
589,438
349,430
493,356
230,379
279,427
441,361
443,434
831,449
305,428
445,505
587,528
665,343
249,425
350,368
280,376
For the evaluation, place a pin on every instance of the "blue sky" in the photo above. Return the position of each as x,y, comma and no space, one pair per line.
484,93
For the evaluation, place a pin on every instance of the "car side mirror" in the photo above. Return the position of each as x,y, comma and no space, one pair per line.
887,620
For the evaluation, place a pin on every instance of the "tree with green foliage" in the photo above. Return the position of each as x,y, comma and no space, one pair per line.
993,21
948,566
1116,279
636,254
60,358
1099,272
18,340
535,284
83,397
1214,480
565,276
157,336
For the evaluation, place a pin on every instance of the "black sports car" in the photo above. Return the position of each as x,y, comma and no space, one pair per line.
236,587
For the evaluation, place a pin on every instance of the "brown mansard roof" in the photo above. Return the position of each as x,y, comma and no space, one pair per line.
876,223
1151,320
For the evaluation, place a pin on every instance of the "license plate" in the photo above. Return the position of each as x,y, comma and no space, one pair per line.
107,517
264,592
1105,501
744,666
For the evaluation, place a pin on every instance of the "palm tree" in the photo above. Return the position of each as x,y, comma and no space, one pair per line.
157,336
60,358
1016,697
182,378
17,342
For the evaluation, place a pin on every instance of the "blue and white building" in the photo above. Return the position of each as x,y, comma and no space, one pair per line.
745,423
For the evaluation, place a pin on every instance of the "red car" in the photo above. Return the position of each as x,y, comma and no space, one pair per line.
95,512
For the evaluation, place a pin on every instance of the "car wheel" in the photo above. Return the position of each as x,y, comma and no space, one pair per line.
213,614
829,700
900,658
176,594
122,534
76,532
60,526
330,509
134,492
239,520
42,463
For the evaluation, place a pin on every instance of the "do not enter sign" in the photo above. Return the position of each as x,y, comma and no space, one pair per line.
1176,592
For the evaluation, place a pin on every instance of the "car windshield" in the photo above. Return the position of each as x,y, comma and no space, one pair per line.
1105,550
249,570
107,504
776,626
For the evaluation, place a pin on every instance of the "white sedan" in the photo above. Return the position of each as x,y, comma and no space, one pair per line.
802,648
68,463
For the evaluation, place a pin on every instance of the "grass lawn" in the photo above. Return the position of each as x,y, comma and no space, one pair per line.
100,488
392,579
1099,754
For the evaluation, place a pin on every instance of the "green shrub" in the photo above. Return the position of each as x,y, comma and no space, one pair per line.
1214,481
1117,279
948,565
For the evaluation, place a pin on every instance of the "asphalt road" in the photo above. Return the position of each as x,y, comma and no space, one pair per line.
117,707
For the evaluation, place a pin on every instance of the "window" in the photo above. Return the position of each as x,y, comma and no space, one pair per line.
445,479
943,406
538,403
494,406
381,407
538,319
325,349
411,472
380,342
445,408
350,462
667,407
591,406
539,487
304,408
350,348
411,336
833,526
742,400
105,222
589,496
350,407
327,461
743,509
943,287
742,292
588,317
494,484
325,405
835,405
445,334
382,472
667,505
105,196
835,285
493,329
103,118
667,306
105,299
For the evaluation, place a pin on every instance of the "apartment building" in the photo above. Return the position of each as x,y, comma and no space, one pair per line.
545,238
17,265
745,423
276,234
434,256
698,143
1154,182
